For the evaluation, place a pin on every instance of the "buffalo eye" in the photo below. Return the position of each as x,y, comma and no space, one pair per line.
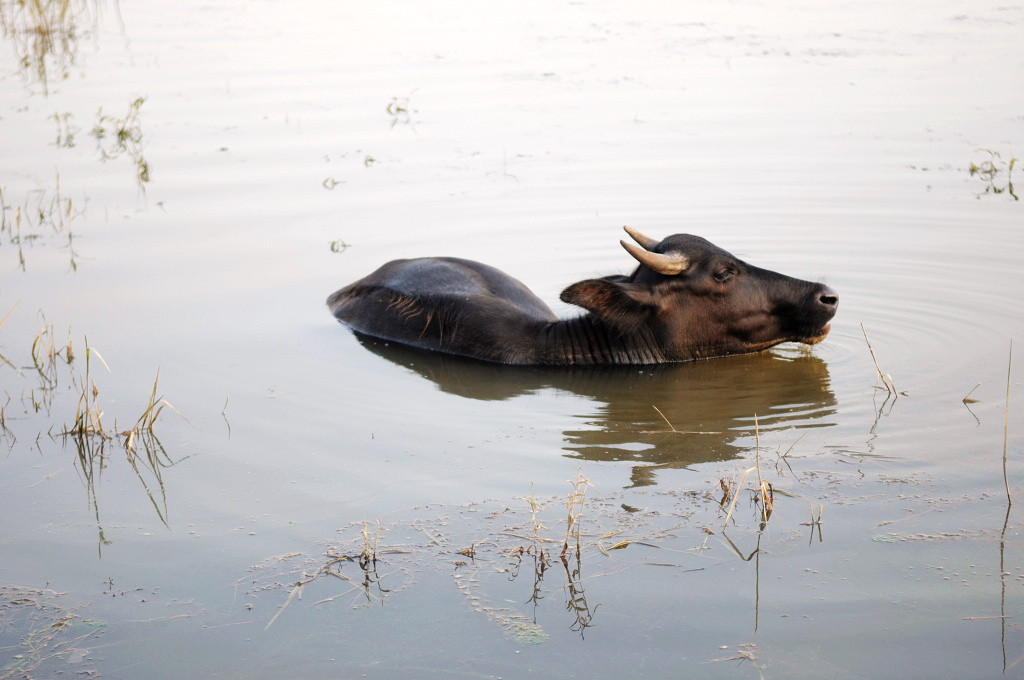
723,275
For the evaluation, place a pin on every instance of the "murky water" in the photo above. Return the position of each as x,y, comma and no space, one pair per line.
182,188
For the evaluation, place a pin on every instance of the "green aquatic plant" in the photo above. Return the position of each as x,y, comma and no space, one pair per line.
996,172
116,137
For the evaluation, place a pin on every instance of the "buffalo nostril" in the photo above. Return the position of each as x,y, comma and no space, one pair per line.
828,297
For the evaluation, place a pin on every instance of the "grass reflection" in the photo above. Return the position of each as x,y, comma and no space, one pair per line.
95,442
143,449
149,458
45,34
44,213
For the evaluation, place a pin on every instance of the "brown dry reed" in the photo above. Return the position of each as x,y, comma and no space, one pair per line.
1006,424
576,499
369,554
886,378
89,417
765,494
538,542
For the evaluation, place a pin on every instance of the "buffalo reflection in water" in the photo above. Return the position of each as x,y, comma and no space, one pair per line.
787,389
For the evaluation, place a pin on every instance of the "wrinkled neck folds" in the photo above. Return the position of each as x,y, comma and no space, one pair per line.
586,340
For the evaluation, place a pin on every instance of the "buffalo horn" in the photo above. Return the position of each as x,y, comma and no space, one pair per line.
647,242
668,264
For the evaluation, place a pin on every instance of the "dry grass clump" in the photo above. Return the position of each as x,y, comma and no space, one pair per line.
764,494
576,499
89,416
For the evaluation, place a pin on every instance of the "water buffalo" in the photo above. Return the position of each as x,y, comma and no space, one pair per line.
688,300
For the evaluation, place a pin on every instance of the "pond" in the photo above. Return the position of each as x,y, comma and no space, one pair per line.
204,473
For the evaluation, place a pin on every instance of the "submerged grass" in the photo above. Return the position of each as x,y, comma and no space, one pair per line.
47,630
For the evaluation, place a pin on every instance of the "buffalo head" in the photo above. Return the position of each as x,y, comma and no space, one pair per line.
699,301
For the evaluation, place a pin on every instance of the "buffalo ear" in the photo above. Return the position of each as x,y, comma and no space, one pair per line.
622,305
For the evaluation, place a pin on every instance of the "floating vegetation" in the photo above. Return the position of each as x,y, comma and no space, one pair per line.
940,536
400,110
745,653
996,173
50,632
497,554
116,137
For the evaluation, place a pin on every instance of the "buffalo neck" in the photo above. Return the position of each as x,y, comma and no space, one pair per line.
586,340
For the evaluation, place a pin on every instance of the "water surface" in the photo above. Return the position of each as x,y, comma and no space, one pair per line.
183,189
